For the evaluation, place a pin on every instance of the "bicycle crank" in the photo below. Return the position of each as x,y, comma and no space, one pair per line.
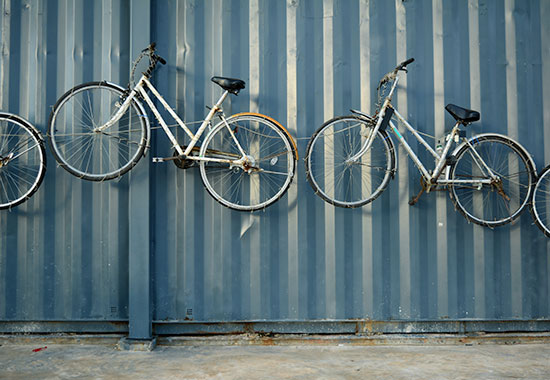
184,163
500,190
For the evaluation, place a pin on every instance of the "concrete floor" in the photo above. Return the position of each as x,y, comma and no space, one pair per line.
223,361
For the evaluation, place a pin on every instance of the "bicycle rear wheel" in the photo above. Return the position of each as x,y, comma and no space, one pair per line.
83,150
260,178
346,183
540,206
22,160
501,201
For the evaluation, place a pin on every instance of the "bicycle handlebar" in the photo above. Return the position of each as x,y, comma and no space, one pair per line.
404,64
391,75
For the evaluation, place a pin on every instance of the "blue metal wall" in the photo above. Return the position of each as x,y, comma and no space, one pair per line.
67,253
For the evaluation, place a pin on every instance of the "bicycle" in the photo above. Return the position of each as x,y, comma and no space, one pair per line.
22,160
350,160
540,205
99,131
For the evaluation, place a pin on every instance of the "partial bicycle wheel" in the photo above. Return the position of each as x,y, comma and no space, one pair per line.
501,201
337,179
22,160
540,206
81,147
256,180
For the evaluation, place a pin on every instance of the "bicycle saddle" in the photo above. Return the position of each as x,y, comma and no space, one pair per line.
229,84
462,115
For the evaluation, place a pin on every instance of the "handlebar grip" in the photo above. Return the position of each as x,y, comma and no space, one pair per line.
410,60
404,64
161,60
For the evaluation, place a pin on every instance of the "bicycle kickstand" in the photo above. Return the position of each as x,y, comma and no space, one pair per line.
423,188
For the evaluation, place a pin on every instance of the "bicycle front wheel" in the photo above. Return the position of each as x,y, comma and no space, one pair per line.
500,201
339,180
22,160
256,179
86,151
540,205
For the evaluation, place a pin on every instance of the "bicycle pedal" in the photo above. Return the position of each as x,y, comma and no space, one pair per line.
158,159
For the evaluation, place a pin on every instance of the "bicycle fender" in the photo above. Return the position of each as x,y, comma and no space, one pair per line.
474,138
12,116
388,138
274,122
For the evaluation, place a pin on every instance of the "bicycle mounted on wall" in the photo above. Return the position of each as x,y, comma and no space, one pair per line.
350,160
99,131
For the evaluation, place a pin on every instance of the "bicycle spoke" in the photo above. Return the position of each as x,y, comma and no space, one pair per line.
84,150
333,177
261,176
500,201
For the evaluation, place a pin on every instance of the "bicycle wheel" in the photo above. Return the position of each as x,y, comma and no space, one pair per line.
346,183
501,201
256,180
22,160
81,148
540,205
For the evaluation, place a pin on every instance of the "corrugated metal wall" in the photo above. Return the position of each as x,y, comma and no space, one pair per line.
64,255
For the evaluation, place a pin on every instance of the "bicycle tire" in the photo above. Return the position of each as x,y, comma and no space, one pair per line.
96,155
22,160
540,205
498,203
342,183
271,161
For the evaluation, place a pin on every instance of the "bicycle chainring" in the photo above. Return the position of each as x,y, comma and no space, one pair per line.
183,163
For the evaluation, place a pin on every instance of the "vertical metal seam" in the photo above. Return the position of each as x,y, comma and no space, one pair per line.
512,118
4,51
545,55
4,106
475,103
439,127
328,101
189,214
139,194
403,178
292,119
366,104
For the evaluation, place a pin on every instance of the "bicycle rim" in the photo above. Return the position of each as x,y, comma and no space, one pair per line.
500,202
541,202
83,150
264,178
337,180
22,161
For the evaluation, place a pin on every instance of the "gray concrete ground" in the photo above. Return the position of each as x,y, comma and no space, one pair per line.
220,360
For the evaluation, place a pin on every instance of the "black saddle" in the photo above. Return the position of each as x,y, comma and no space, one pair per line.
229,84
462,115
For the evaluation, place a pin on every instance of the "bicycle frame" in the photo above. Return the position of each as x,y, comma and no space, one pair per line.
141,88
441,159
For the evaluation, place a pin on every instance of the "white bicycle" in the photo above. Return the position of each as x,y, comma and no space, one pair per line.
99,131
350,160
